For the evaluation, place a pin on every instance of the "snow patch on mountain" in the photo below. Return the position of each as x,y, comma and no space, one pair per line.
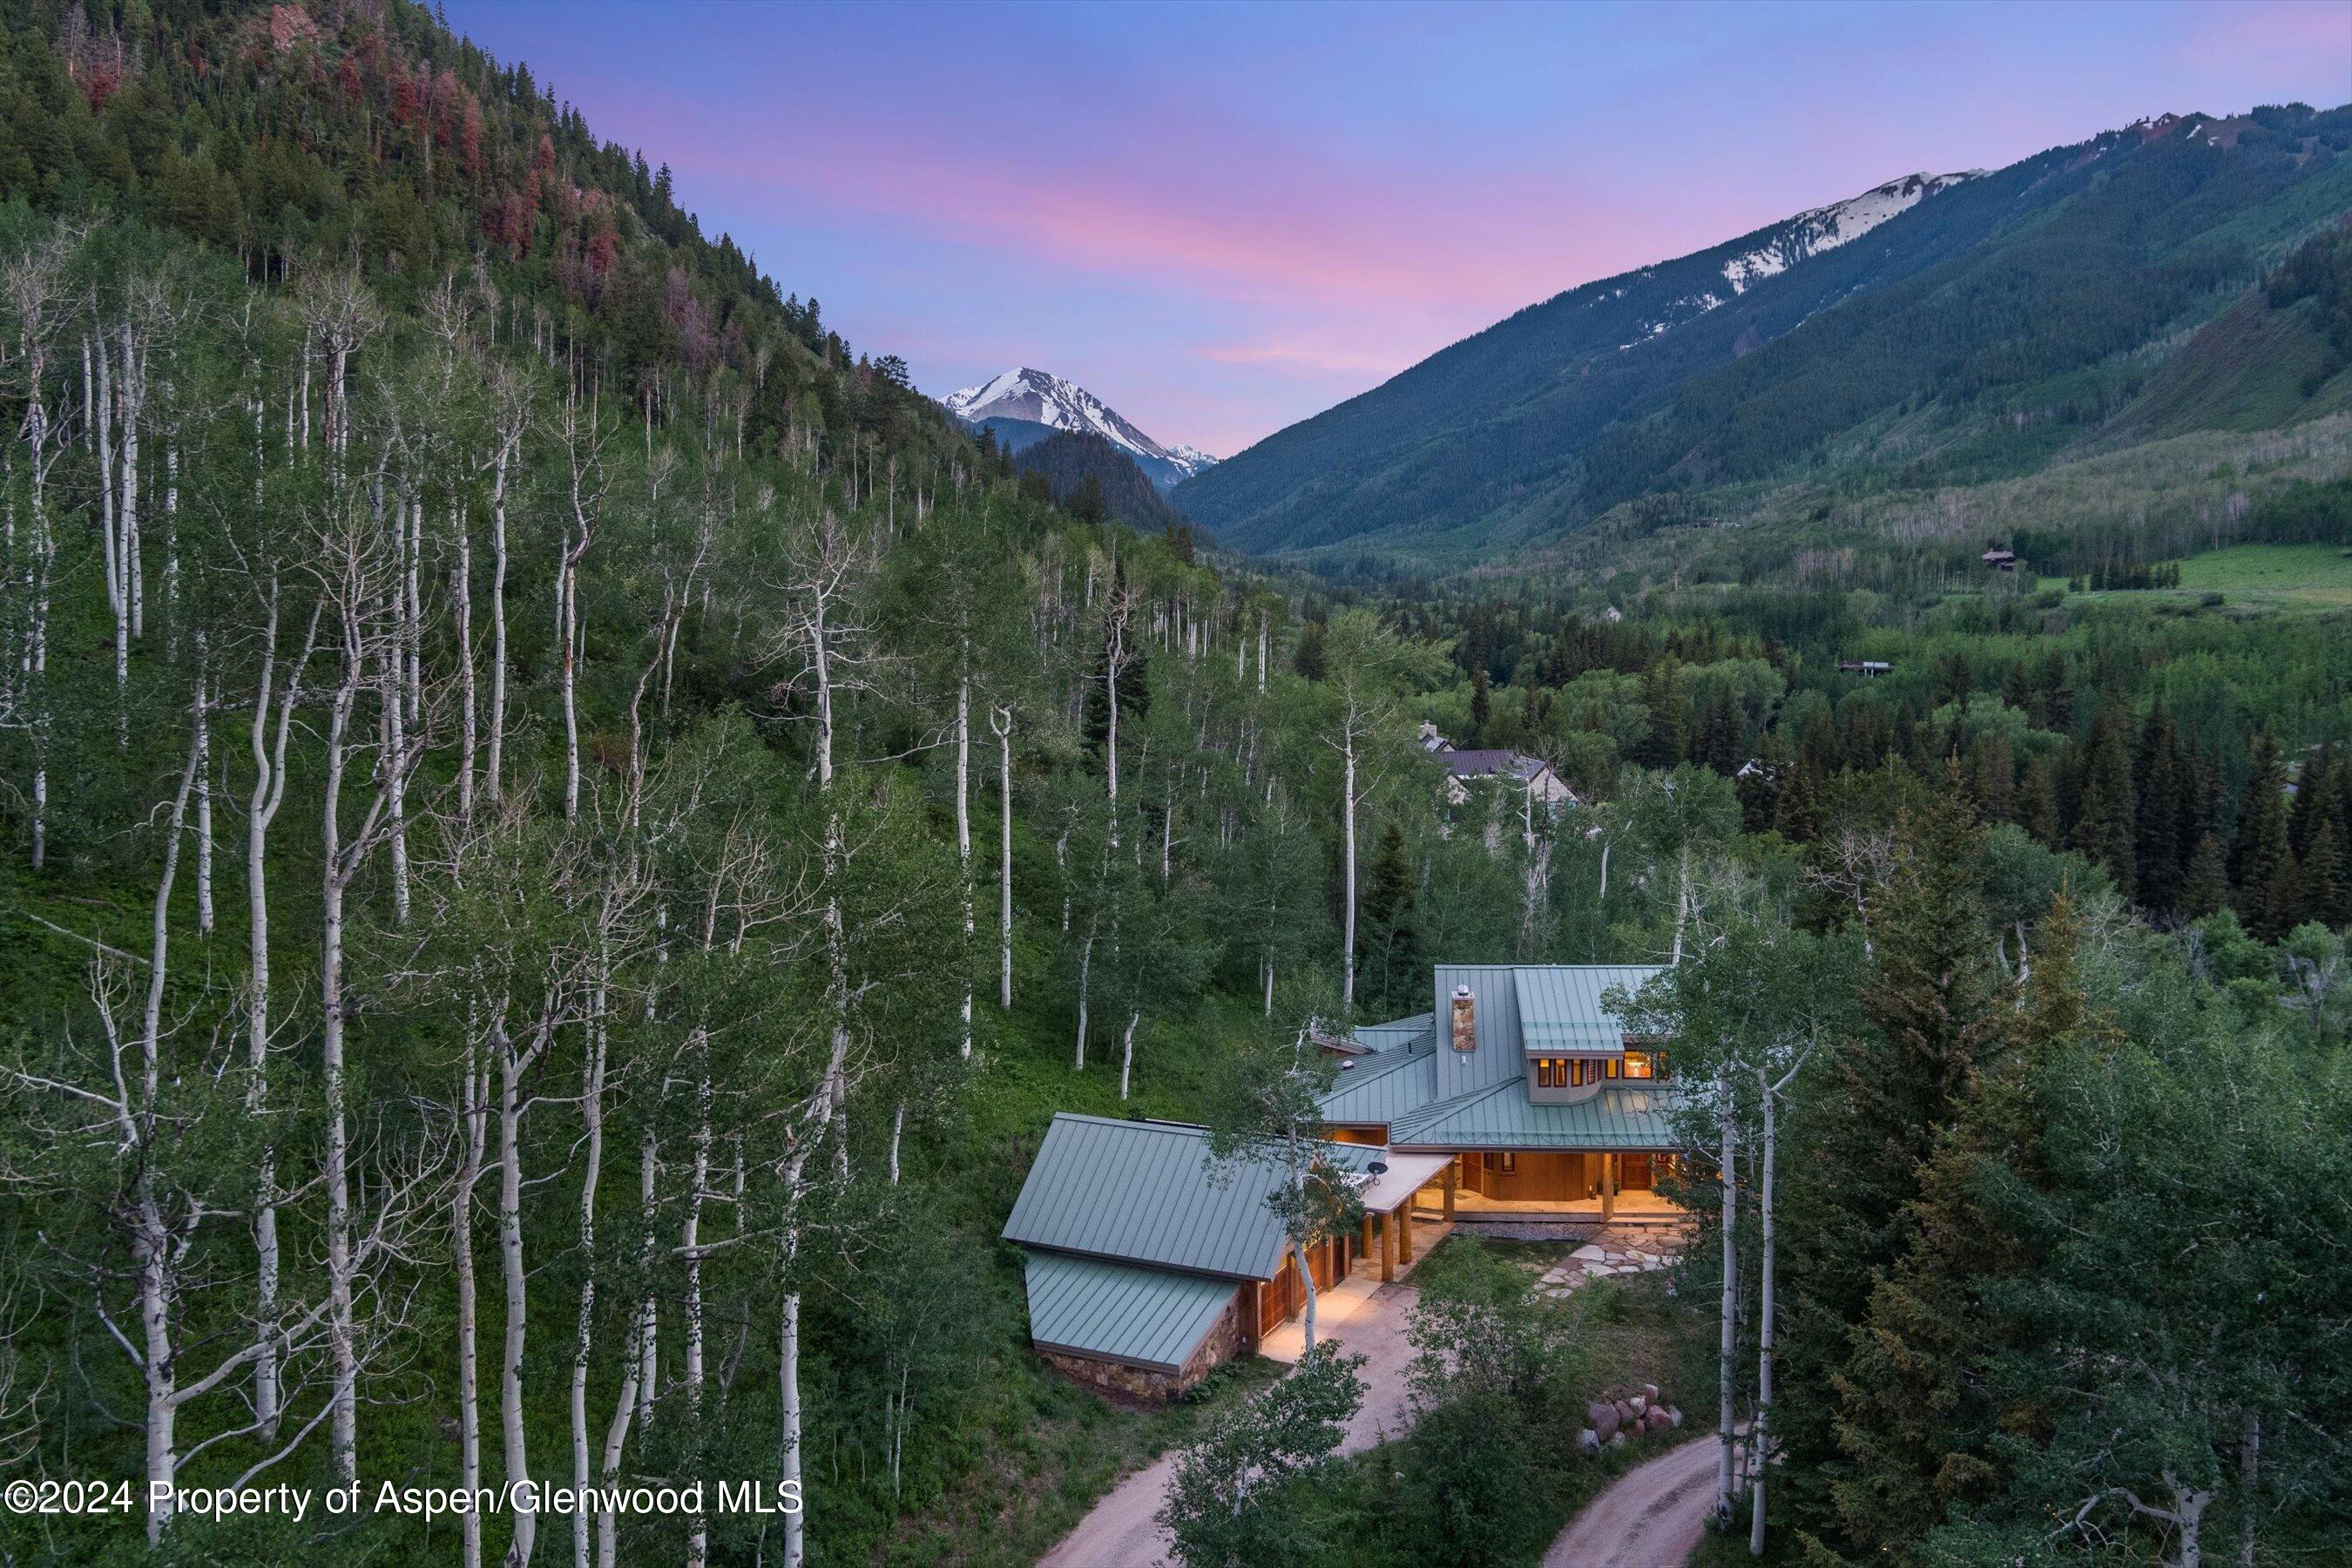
1840,223
1043,398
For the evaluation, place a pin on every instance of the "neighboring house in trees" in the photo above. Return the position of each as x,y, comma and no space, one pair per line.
1518,1097
1466,770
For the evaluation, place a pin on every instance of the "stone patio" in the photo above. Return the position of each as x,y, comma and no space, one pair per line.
1613,1252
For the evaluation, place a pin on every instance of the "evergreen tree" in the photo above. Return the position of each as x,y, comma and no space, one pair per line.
2161,790
2260,851
1482,703
2106,824
1721,738
1928,997
2037,801
1307,657
1667,740
1918,1424
2320,879
1390,966
2205,886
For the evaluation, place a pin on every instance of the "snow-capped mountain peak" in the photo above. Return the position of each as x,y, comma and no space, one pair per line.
1840,223
1038,398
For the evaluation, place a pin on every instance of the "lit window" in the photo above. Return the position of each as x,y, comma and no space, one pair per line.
1643,1064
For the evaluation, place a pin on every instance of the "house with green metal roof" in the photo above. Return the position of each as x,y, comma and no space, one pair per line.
1148,1260
1527,1084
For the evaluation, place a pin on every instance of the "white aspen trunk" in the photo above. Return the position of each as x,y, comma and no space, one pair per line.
1086,970
117,597
697,1544
1682,903
395,747
1602,896
269,793
1347,839
39,565
473,1116
788,1385
492,773
152,1249
649,1346
592,1116
461,587
636,1365
788,1326
1306,1282
412,612
343,1349
1262,635
1727,1348
133,394
568,630
1759,1440
963,862
1127,1052
517,1300
172,544
1004,858
204,789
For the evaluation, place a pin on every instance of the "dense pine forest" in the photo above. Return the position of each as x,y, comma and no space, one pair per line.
566,832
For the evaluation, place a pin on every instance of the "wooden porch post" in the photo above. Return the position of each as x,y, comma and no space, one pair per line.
1404,1230
1453,1176
1370,1220
1387,1246
1608,1187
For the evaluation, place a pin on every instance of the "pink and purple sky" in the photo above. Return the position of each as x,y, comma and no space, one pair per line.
1224,217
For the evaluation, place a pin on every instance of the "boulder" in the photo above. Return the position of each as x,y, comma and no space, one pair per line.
1618,1441
1638,1404
1655,1422
1675,1416
1605,1420
1587,1443
1649,1392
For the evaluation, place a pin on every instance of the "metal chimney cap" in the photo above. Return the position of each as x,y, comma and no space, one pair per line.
1460,993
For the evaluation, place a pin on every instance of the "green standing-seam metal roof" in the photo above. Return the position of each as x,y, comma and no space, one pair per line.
1121,1311
1398,1032
1148,1192
1561,1006
1379,1089
1502,1117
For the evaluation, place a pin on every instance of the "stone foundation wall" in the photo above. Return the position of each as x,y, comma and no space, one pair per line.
1217,1346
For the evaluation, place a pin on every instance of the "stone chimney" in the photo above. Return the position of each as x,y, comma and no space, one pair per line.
1465,1019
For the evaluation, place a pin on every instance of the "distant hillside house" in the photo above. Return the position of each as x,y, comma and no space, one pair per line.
1532,775
2001,559
1868,669
1529,1089
1148,1262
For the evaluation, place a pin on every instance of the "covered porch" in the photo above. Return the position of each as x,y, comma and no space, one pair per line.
1613,1185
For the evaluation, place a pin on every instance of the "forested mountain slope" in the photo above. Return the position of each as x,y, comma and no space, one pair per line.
2039,295
1095,479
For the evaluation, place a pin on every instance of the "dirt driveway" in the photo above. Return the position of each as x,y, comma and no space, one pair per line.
1651,1517
1120,1532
